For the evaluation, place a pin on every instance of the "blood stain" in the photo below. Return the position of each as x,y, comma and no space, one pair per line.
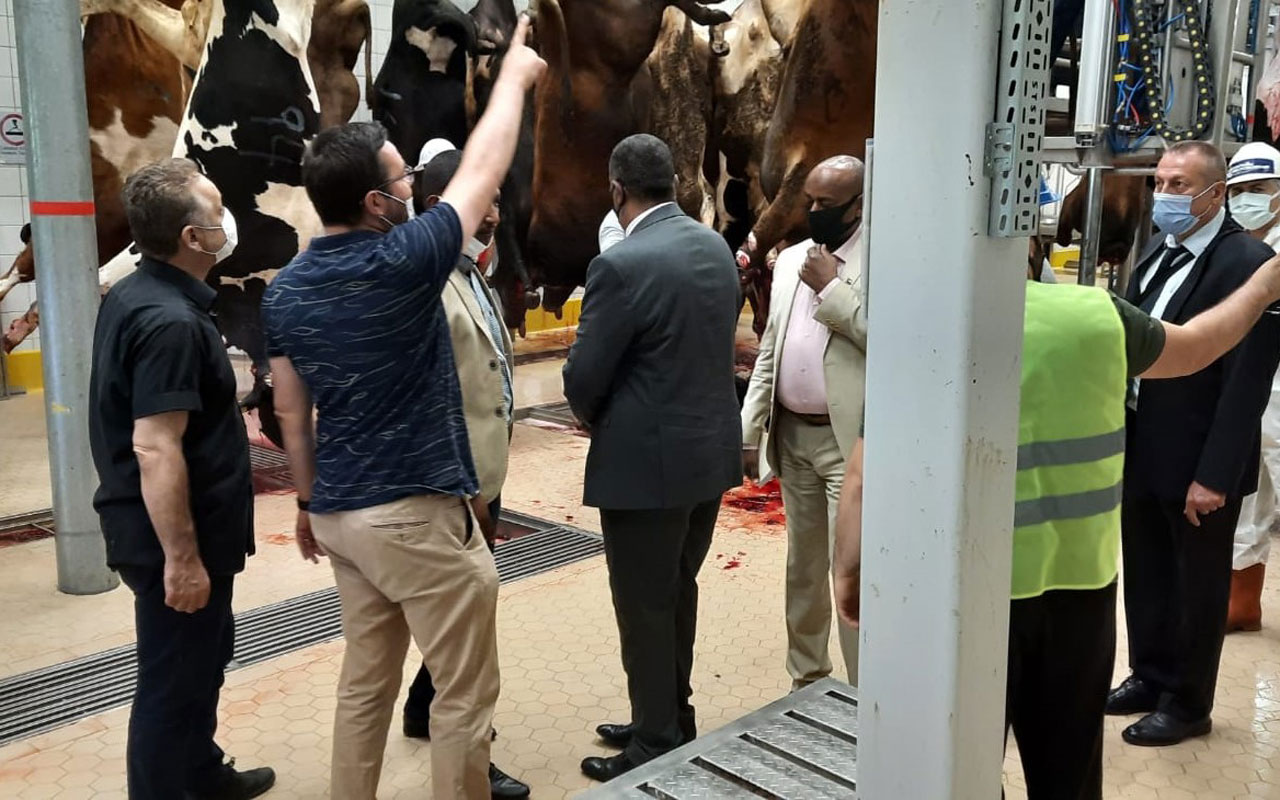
764,501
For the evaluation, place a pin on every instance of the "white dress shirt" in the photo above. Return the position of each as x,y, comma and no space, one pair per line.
611,231
802,383
1195,244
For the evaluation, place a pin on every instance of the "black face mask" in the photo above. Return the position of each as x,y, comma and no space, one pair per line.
828,227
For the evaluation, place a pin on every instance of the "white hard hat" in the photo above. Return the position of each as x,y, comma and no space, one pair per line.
1255,161
435,147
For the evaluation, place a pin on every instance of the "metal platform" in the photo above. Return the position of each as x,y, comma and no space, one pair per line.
802,747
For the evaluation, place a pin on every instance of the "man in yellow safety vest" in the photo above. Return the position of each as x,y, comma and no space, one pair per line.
1066,510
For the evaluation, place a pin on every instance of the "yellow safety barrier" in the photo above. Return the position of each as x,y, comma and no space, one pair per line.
24,371
541,320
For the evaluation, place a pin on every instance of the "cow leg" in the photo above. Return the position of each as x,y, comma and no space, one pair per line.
20,329
699,13
783,220
514,280
10,280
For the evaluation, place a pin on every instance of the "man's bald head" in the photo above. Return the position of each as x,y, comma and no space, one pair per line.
839,177
834,192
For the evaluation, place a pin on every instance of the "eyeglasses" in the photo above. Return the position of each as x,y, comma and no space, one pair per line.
407,177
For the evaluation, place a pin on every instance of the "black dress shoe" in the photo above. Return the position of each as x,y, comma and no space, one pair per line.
606,769
421,729
1161,729
229,784
417,727
616,735
503,785
1134,696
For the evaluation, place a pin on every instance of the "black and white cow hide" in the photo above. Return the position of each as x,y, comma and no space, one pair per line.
252,110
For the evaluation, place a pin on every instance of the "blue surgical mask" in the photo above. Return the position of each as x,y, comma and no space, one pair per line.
1172,212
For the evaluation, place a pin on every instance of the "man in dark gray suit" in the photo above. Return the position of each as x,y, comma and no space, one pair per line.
651,376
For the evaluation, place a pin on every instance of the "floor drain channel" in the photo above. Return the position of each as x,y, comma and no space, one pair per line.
555,413
64,693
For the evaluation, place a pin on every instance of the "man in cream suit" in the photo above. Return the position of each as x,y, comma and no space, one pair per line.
803,409
483,355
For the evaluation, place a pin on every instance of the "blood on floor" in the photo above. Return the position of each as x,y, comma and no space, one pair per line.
757,505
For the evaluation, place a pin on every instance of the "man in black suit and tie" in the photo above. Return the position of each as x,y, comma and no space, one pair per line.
651,376
1192,455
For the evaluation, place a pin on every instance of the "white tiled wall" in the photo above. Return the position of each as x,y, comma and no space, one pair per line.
13,184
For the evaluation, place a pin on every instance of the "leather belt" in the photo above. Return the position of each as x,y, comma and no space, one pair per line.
811,419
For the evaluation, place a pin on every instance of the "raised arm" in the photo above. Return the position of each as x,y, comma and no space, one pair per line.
492,144
1204,339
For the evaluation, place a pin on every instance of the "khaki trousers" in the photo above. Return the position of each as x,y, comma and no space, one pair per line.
419,567
811,473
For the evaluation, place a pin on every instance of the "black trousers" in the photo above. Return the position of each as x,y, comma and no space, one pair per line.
417,706
181,661
1177,587
653,558
1062,649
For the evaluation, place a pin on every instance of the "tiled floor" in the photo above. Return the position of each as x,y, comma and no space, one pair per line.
558,644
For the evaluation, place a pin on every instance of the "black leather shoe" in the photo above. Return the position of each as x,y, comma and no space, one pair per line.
417,728
616,735
606,769
231,784
1133,696
503,785
1160,729
421,729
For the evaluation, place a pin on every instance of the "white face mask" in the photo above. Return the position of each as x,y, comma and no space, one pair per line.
408,208
228,228
474,248
1252,209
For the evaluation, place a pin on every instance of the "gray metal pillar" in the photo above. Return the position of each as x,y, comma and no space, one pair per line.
942,414
1091,237
51,66
1093,119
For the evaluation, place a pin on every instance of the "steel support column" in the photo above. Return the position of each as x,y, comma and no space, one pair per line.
942,407
62,232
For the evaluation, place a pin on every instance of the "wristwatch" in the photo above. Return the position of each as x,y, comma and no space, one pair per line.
304,505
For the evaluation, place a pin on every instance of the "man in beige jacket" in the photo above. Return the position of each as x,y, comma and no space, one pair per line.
483,354
803,408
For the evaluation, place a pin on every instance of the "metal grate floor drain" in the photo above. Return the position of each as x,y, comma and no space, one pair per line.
64,693
555,413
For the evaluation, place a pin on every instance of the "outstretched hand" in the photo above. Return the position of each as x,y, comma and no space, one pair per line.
521,63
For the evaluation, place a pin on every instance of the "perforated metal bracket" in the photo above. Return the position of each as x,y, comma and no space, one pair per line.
1013,139
999,154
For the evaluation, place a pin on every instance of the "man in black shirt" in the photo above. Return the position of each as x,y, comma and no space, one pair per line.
176,494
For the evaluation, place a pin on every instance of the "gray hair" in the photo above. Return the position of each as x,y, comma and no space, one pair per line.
159,203
1215,164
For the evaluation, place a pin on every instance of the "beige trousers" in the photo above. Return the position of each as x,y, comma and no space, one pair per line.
811,473
420,567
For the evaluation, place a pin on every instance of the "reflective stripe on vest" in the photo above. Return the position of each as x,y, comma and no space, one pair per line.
1070,441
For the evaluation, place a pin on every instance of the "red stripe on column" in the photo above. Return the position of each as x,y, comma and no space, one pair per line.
54,208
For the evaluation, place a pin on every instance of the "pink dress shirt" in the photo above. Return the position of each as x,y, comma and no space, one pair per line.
802,385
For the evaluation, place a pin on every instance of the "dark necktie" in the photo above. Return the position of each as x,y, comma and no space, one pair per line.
1173,260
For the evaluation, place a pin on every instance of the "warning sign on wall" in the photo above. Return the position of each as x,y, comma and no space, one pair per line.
13,140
